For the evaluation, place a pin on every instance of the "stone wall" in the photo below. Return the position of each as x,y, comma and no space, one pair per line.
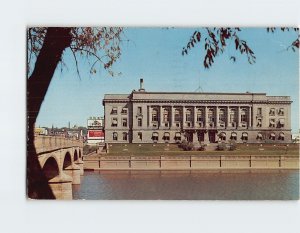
190,162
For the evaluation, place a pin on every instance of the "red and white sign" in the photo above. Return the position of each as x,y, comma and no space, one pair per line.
96,134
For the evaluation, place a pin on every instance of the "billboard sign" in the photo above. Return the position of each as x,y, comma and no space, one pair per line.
95,123
95,134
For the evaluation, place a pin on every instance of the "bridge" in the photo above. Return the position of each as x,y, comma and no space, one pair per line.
61,162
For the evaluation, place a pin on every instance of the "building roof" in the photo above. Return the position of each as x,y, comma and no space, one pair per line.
194,96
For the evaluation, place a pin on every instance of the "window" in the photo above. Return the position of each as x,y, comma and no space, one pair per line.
222,117
259,136
139,122
125,136
200,115
272,136
177,136
166,136
177,125
114,111
140,136
222,136
233,136
177,114
139,111
281,136
259,111
114,122
244,136
243,115
211,115
188,115
124,122
155,136
232,115
115,136
280,123
154,114
259,122
166,115
281,112
272,112
272,123
124,111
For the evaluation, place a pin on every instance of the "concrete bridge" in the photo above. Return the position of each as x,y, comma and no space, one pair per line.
61,162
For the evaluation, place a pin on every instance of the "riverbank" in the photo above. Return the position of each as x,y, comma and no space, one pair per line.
184,162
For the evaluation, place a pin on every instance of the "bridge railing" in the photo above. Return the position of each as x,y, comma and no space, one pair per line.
48,143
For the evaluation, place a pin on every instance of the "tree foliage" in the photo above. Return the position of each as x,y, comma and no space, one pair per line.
216,40
101,45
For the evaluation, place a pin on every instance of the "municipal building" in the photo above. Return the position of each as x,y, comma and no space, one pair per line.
170,117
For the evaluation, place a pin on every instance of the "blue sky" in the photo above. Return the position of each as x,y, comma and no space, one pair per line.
155,55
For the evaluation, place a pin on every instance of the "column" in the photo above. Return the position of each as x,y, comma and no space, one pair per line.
228,117
250,118
238,116
217,117
160,116
195,117
171,116
148,115
183,116
206,117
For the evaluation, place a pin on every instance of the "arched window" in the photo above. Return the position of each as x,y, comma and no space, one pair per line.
115,136
166,136
155,136
259,136
233,136
222,136
125,136
245,136
177,136
272,136
281,136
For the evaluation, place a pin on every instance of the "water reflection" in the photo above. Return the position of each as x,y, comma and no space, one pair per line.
189,185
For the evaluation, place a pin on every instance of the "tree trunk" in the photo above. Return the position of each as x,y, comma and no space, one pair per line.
56,40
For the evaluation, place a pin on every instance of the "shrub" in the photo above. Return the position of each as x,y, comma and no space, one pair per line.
221,146
89,149
232,145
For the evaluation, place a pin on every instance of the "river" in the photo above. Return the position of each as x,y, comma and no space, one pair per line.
189,185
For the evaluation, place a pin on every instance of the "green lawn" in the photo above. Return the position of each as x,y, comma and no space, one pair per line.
173,149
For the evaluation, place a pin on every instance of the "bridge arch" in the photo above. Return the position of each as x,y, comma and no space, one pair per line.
51,168
67,162
75,155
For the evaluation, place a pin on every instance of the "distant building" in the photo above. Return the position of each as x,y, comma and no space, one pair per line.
296,137
41,131
170,117
95,134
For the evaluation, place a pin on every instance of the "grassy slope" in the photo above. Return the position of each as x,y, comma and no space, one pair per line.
172,149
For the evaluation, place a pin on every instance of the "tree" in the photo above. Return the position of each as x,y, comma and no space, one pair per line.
45,47
216,41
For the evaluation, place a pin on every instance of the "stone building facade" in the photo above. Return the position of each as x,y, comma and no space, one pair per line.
170,117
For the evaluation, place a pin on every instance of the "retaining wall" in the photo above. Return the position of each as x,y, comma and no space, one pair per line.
190,162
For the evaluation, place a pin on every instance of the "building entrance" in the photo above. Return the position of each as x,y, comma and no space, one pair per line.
189,136
212,136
